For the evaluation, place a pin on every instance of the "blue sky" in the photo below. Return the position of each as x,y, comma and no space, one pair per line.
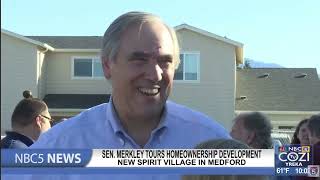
286,32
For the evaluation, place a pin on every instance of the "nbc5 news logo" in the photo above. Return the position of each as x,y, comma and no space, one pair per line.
294,155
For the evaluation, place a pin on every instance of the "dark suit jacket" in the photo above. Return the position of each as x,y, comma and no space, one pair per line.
14,140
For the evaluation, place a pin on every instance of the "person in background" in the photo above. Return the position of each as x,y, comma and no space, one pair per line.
253,129
300,135
29,119
313,130
314,136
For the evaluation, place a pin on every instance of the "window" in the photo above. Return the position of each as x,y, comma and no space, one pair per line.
87,67
188,69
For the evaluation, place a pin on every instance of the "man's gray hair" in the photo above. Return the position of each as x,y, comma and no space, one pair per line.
259,124
112,36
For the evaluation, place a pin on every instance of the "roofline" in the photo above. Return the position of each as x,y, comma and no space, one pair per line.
238,45
38,43
283,112
77,50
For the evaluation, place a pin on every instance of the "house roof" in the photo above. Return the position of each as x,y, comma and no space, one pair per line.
71,42
76,43
277,89
75,101
238,45
26,39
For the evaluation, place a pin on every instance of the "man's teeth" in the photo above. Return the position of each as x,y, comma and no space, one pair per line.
148,91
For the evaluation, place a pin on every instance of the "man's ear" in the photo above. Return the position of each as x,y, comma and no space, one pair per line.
38,121
106,66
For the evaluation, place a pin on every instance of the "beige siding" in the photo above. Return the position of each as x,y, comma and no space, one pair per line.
41,74
18,73
215,93
59,78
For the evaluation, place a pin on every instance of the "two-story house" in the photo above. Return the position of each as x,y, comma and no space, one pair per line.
66,72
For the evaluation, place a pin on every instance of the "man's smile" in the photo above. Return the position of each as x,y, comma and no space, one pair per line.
149,91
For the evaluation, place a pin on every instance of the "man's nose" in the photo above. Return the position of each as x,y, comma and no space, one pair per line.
154,72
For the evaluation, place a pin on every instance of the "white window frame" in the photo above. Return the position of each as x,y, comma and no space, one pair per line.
92,66
198,68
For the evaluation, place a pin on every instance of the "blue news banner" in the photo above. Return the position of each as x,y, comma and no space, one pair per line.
91,161
290,160
45,158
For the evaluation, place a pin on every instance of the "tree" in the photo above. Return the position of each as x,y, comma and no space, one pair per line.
247,65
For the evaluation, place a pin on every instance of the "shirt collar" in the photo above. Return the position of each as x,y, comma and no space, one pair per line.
17,136
113,117
164,121
117,127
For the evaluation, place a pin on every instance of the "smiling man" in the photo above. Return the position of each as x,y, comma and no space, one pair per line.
141,75
139,56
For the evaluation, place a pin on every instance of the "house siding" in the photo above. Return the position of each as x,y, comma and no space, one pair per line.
18,73
214,95
41,74
59,78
